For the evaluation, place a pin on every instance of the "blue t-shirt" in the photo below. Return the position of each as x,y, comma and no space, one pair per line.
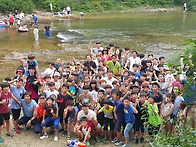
28,108
35,18
119,111
73,89
137,75
18,93
129,114
176,102
72,113
28,63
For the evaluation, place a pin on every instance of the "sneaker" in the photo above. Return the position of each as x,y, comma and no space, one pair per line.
125,145
87,143
97,139
56,138
119,143
17,131
68,137
104,140
9,134
137,141
1,139
132,139
43,137
114,141
19,128
141,139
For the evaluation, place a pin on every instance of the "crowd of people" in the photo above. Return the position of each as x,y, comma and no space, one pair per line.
113,96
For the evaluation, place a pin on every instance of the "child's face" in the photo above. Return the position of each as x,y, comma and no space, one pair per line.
126,74
47,80
145,89
106,106
100,95
122,87
169,99
108,90
64,89
70,108
49,102
84,123
31,61
126,103
126,82
176,90
85,91
103,84
52,87
142,99
135,69
155,87
143,78
151,100
19,83
134,96
79,84
6,89
100,72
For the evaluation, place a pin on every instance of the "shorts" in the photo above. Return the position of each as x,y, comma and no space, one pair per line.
139,127
71,119
11,23
5,116
16,113
127,129
108,122
118,126
68,12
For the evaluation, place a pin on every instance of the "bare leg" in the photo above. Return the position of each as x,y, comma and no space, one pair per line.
57,132
7,126
80,135
127,141
15,123
44,130
138,134
68,127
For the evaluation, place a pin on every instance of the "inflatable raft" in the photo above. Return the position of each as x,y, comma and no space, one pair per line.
2,23
23,29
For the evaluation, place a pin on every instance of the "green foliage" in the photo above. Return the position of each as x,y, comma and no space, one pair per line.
185,139
88,5
26,6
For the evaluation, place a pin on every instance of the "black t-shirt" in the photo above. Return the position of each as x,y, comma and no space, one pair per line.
89,65
158,98
30,80
47,28
48,109
63,100
142,113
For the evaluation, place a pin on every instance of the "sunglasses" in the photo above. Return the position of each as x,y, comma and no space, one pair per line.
42,98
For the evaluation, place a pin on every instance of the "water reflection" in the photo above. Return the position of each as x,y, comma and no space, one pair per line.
2,29
36,45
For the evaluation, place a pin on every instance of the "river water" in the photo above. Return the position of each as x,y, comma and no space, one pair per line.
157,33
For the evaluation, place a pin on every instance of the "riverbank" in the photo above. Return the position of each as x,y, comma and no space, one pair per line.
48,16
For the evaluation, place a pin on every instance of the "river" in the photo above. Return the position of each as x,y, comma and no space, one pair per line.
157,33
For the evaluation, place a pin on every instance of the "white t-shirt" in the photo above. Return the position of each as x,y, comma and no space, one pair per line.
134,61
36,31
90,114
49,92
109,81
49,71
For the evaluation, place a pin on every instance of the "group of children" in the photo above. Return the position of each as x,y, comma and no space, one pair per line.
120,96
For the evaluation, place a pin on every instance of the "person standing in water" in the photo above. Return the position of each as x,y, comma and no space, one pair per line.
47,30
36,33
185,9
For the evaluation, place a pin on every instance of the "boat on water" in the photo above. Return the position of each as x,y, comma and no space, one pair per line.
23,29
2,23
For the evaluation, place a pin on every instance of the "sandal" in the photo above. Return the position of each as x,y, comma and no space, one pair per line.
9,134
1,139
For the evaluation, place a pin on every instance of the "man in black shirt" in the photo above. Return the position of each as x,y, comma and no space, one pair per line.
47,30
91,65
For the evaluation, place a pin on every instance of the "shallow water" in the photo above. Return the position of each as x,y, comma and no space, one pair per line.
157,33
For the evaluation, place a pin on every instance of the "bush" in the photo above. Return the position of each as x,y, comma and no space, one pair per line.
26,6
